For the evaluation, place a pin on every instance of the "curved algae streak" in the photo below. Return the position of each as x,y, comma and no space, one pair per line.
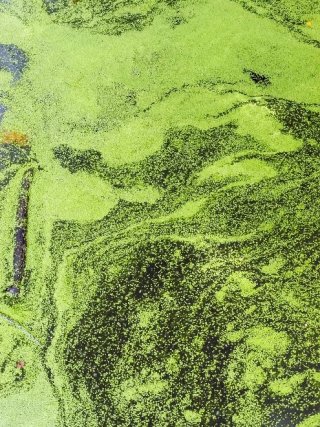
23,330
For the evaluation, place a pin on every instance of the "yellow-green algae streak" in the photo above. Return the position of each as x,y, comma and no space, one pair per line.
173,231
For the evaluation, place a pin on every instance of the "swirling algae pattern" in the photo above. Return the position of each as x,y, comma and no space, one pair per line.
159,215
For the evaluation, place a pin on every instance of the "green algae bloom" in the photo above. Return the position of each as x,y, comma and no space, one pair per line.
168,258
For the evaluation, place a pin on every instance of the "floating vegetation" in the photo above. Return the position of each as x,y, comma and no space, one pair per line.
161,266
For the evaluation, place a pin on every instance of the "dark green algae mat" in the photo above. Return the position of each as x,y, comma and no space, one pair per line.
159,214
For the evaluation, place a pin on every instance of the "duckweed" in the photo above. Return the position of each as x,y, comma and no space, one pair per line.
171,271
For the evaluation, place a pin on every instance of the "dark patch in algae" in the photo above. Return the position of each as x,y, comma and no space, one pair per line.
20,238
12,59
257,78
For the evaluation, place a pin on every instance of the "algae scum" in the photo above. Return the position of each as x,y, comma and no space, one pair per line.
159,215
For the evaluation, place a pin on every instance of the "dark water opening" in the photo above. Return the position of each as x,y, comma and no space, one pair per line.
258,79
12,59
53,6
2,111
20,243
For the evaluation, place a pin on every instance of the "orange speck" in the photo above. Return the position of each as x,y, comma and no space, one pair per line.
20,364
14,137
309,24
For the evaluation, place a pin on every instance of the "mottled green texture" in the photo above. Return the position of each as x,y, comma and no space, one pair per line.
172,273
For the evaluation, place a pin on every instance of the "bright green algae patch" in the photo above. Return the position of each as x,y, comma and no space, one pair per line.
172,265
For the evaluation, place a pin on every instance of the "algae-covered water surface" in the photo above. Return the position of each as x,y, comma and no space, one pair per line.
160,213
